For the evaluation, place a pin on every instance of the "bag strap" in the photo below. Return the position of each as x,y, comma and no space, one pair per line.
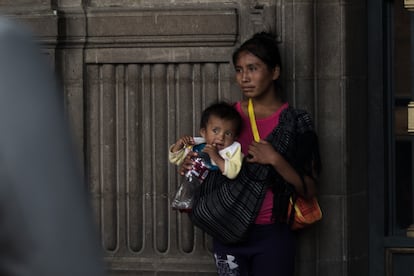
252,118
256,136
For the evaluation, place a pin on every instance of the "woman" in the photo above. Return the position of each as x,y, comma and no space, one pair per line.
288,159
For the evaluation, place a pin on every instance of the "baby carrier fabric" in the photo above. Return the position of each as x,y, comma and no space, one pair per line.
226,208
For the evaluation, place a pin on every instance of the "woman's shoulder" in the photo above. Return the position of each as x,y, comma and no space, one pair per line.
240,104
301,117
241,107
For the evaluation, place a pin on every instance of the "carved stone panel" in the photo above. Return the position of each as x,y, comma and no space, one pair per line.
133,112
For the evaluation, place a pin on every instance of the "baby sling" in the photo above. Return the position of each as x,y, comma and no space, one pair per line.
226,208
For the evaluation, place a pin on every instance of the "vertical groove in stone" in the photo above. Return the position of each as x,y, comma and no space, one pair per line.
134,189
210,83
146,163
173,176
108,157
92,141
120,153
160,149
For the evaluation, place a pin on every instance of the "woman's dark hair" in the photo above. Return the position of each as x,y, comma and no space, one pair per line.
264,46
225,111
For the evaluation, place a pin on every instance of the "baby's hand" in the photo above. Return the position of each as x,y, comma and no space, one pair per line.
212,151
182,142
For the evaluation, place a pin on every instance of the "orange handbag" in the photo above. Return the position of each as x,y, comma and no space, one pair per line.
307,211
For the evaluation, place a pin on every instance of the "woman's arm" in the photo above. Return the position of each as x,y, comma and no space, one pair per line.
262,152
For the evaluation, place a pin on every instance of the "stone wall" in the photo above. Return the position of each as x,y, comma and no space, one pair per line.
137,74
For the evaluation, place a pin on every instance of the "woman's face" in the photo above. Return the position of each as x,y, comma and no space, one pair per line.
253,76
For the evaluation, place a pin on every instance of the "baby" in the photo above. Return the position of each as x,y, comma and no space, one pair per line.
219,127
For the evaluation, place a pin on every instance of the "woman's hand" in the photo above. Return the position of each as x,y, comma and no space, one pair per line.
187,163
262,152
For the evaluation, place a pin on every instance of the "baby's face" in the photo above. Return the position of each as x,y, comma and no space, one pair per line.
219,132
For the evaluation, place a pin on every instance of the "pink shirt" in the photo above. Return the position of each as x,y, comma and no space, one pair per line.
265,127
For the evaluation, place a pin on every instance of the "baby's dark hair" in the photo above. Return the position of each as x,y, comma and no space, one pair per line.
264,46
225,111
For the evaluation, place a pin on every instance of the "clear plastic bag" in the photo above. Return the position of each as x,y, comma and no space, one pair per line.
184,197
